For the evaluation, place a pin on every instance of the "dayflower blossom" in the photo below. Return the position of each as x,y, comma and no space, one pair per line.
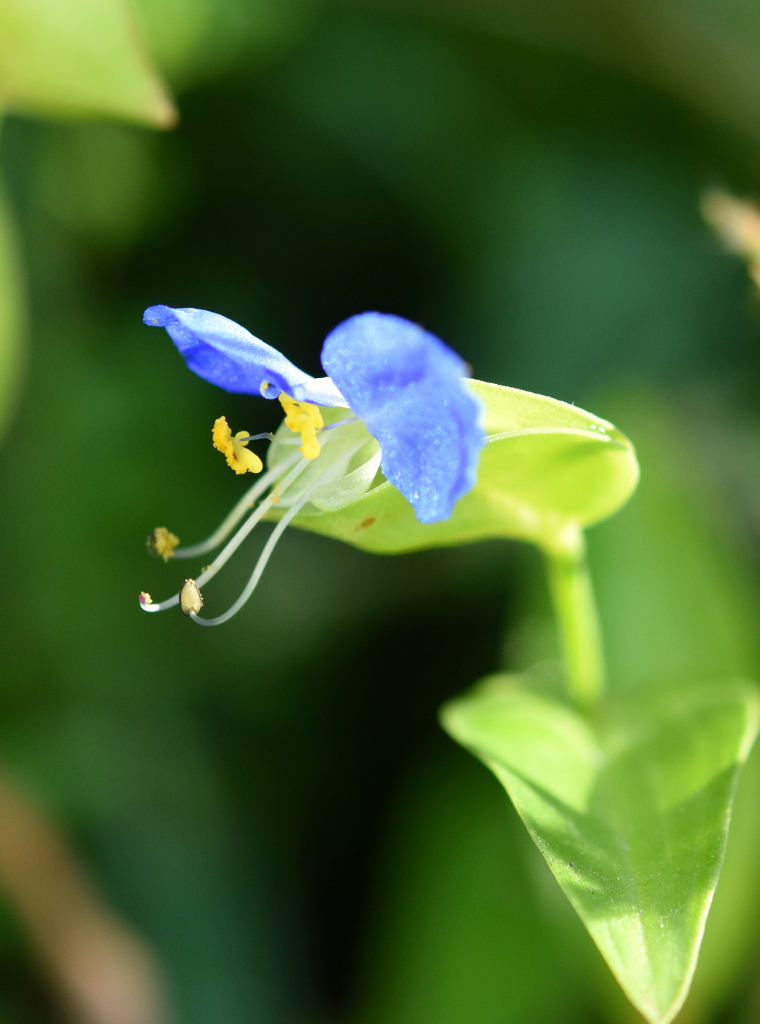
395,402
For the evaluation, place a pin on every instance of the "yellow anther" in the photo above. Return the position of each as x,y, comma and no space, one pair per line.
305,419
234,450
162,543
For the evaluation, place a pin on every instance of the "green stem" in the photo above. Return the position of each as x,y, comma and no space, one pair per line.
575,607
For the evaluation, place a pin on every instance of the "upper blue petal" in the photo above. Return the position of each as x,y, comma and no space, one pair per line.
226,354
408,388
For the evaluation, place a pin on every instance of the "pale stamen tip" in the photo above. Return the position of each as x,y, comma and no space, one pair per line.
145,599
190,598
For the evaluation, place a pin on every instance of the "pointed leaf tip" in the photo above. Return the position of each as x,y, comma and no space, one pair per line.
631,814
78,59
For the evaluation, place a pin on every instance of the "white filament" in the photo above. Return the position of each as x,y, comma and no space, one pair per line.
269,548
237,513
236,541
246,502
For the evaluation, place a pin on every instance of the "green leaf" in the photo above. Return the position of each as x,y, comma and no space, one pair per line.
12,317
689,608
630,812
78,58
546,470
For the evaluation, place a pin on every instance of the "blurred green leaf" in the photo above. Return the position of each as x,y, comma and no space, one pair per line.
688,607
77,59
197,39
631,812
547,468
107,183
12,317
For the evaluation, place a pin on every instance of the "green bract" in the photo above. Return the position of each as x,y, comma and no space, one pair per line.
547,469
630,810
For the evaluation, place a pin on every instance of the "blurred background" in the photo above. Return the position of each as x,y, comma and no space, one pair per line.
264,822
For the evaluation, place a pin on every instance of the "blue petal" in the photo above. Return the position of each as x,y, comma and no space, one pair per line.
407,386
226,354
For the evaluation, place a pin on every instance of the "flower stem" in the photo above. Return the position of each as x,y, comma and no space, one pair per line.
573,598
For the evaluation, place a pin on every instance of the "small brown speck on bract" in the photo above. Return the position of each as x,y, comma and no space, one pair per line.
365,523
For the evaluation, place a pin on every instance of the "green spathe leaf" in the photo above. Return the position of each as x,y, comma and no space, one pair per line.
546,470
78,58
631,812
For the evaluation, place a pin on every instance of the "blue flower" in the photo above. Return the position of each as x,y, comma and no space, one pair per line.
226,354
402,381
409,411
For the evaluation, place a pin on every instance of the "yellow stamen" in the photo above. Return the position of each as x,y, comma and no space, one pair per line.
233,449
305,419
162,543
